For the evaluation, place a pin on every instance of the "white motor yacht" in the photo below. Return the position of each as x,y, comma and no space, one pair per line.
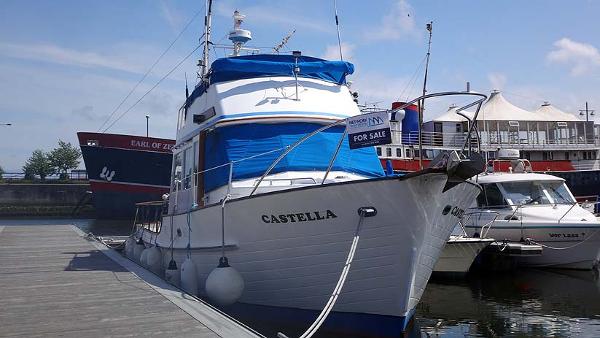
264,181
540,209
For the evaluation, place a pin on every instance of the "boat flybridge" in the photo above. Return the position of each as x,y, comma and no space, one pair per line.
264,181
522,206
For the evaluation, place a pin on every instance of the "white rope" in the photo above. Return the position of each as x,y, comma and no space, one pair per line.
338,288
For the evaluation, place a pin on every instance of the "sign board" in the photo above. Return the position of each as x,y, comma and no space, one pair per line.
368,130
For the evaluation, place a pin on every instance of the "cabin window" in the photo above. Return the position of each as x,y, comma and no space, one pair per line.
398,152
177,169
537,192
388,152
491,197
188,164
378,151
409,153
195,165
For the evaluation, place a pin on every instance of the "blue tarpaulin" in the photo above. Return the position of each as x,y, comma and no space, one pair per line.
233,143
264,65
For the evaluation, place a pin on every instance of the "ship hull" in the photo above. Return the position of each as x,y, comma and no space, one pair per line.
124,170
295,265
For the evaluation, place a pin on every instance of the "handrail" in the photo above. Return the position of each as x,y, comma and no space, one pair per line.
488,224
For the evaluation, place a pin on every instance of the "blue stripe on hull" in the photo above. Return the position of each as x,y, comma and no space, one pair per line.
337,324
130,166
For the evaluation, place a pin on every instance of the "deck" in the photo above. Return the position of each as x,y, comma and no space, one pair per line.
55,282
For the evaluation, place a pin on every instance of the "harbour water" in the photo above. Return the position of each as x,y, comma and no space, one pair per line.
528,302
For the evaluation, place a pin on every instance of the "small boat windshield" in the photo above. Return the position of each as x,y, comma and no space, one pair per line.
537,192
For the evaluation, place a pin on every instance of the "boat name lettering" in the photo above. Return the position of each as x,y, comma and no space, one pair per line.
299,217
571,235
151,145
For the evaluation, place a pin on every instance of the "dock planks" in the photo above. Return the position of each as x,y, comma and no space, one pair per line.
53,282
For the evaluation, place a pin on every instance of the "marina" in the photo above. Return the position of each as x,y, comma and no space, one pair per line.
293,180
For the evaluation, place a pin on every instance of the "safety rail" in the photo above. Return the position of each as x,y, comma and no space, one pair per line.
190,182
485,228
148,215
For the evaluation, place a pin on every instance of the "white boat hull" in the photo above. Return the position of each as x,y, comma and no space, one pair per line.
459,253
296,264
568,245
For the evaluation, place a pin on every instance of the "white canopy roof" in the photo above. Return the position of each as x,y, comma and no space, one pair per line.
451,116
551,113
497,108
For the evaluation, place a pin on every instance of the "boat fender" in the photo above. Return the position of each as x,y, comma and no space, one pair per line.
172,273
129,245
154,260
189,278
144,257
137,250
224,285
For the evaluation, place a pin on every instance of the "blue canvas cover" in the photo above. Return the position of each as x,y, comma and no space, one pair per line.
233,143
264,65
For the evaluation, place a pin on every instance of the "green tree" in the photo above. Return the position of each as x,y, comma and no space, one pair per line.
64,157
1,174
38,164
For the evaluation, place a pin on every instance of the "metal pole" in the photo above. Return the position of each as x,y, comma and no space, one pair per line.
422,103
147,119
207,28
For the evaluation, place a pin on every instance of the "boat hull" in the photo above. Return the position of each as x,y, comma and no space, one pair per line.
459,253
574,246
296,264
124,170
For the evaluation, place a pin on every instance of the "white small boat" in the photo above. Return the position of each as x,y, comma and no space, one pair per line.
540,209
459,254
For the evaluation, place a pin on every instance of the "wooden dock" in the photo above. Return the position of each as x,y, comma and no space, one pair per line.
54,282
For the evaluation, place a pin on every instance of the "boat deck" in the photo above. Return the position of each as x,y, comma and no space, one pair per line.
54,282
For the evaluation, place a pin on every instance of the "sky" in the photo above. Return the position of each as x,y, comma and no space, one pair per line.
66,65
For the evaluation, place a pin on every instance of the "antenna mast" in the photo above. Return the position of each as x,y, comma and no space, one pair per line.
337,26
422,103
207,27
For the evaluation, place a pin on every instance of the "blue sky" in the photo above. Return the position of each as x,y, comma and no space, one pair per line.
66,65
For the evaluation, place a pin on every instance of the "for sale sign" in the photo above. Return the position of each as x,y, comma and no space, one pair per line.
369,130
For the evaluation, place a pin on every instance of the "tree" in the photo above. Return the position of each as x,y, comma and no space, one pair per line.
38,164
64,157
1,173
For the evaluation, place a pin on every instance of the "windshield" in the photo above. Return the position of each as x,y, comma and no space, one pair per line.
537,192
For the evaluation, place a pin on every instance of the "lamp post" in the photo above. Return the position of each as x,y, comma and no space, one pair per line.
587,111
147,119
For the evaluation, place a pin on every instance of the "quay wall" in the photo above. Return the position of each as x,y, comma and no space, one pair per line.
39,199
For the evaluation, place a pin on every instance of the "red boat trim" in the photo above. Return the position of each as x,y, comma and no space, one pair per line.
128,142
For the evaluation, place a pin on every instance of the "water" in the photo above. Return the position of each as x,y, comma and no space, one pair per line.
522,303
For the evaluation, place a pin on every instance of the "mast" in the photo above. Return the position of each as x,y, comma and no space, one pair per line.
422,103
207,27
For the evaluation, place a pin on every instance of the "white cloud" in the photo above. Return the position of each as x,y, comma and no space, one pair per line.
397,24
581,57
332,52
285,17
56,54
497,80
173,17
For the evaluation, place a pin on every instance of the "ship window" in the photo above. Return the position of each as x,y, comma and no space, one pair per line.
537,192
398,152
491,197
378,151
177,168
388,152
92,143
408,153
188,164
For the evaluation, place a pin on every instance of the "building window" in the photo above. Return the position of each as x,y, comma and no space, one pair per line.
398,152
378,151
388,152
